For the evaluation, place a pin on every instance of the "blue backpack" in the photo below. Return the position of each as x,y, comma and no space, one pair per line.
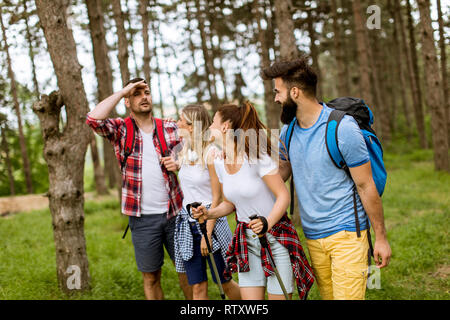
359,110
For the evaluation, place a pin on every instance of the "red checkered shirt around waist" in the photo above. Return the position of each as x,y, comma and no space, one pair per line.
285,233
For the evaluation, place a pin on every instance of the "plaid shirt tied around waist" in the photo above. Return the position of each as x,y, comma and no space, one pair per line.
115,131
284,232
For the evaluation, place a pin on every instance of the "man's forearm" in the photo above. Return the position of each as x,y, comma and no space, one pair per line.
373,206
105,107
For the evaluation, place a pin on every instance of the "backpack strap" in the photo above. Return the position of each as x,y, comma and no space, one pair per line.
288,137
331,142
161,138
287,143
331,138
130,136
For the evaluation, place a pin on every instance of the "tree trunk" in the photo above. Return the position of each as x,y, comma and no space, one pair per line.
380,99
22,141
342,84
216,17
5,148
65,150
131,33
314,53
30,50
122,41
414,75
165,57
209,63
143,4
401,71
155,30
192,48
272,110
104,76
444,66
285,25
99,176
362,54
288,51
434,95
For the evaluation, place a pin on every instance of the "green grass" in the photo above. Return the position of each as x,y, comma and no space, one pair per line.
416,204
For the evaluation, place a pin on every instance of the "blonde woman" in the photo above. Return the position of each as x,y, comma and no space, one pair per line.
199,183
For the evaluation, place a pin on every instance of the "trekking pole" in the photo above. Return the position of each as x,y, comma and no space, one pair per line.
265,245
208,245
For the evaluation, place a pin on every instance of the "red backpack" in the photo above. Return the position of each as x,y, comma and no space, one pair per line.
130,137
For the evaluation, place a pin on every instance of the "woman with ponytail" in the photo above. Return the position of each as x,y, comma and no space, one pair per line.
252,186
199,183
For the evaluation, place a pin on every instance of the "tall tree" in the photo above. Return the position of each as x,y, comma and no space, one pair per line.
362,54
31,53
155,31
414,78
143,12
121,40
207,56
5,154
104,76
131,33
382,107
285,25
434,96
65,150
272,110
342,84
443,54
401,70
314,49
22,141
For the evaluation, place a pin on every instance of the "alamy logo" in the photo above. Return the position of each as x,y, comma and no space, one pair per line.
374,279
74,280
374,20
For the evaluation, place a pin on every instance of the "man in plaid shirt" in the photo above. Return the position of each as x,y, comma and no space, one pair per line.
151,195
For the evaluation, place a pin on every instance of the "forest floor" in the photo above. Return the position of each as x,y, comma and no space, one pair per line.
26,203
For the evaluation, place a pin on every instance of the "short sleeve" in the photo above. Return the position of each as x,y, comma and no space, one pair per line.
106,128
351,143
282,146
266,165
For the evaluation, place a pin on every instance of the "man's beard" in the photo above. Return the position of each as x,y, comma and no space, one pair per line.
137,110
288,111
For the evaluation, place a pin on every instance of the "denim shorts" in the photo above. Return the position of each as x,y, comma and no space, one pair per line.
150,233
256,277
196,266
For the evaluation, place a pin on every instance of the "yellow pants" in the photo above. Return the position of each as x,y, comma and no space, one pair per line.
340,265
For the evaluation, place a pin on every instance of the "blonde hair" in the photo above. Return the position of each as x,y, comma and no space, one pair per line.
197,116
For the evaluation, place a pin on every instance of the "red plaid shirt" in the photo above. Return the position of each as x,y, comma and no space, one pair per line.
115,131
285,233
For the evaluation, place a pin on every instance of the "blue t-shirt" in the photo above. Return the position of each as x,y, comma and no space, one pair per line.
325,193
